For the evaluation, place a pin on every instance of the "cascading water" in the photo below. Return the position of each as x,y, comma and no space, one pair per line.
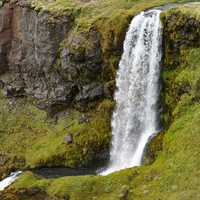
9,180
136,117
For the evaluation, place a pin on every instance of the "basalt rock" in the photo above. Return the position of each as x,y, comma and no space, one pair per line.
5,36
41,56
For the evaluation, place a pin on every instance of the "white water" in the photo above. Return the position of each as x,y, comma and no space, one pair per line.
9,180
135,119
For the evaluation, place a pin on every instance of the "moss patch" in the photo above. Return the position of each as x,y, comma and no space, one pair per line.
29,139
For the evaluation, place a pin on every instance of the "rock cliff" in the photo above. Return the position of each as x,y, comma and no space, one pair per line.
42,57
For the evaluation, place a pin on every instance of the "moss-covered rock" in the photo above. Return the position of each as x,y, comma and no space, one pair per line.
181,60
153,148
85,41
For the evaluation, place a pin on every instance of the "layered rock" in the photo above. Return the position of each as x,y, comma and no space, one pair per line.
42,57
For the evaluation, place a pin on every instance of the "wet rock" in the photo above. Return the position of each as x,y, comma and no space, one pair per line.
153,147
14,91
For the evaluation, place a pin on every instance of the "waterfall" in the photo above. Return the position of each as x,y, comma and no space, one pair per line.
9,180
136,117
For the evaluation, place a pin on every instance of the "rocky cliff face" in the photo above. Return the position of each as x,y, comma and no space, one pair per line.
42,57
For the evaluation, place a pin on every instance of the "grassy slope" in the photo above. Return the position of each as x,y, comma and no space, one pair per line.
175,173
29,139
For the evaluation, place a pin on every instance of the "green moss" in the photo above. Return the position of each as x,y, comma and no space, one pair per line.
153,148
33,140
86,187
181,60
181,84
189,10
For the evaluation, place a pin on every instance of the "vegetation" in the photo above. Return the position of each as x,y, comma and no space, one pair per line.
29,139
175,173
173,176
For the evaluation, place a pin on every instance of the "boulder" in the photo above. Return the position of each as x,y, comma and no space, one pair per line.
68,139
